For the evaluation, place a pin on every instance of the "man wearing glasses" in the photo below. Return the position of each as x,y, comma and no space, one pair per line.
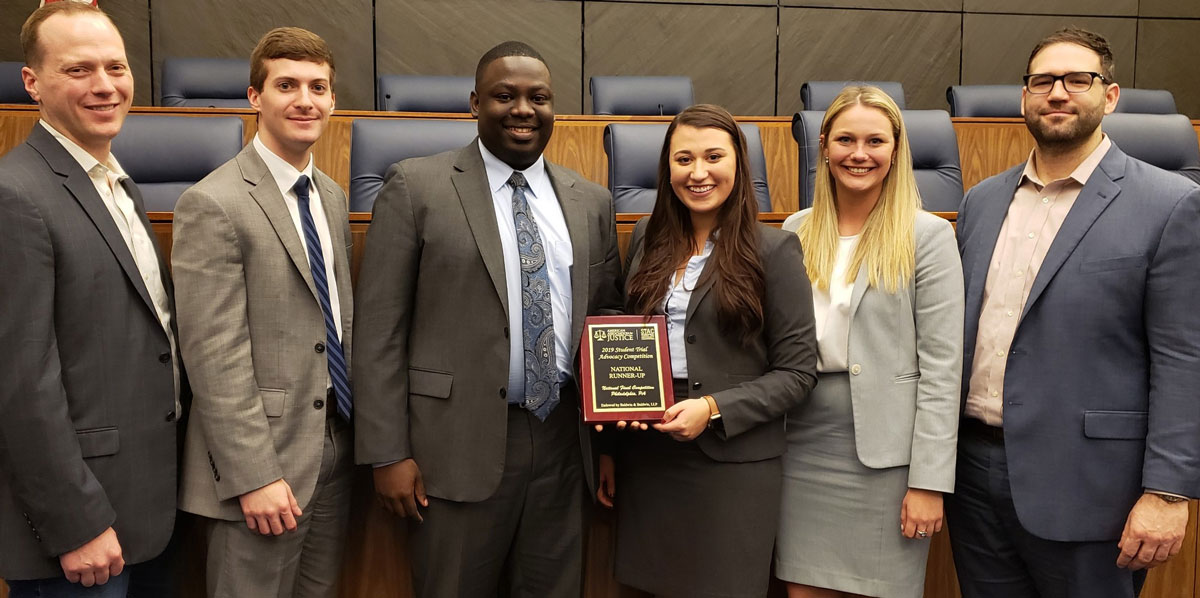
1080,439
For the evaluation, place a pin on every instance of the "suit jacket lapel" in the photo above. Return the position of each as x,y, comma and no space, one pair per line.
707,279
266,193
164,273
1093,199
81,188
471,182
570,199
860,288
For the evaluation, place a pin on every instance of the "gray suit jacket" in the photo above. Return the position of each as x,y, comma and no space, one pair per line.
1102,376
433,344
250,321
905,353
87,403
754,386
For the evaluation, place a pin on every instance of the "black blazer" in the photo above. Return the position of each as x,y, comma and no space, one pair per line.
754,386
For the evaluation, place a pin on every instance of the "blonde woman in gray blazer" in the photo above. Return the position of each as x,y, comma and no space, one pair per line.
873,449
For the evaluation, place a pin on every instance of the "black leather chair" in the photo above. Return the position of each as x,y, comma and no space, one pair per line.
818,95
424,93
633,151
1167,141
1146,101
376,144
165,155
931,140
205,82
984,100
640,96
12,88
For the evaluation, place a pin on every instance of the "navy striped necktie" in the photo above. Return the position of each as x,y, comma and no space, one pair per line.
316,262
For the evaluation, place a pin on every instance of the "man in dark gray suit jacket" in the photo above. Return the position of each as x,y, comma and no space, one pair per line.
1081,437
480,267
89,399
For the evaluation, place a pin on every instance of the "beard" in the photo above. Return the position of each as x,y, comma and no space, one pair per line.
1066,135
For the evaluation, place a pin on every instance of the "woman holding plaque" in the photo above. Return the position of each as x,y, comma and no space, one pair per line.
699,494
873,449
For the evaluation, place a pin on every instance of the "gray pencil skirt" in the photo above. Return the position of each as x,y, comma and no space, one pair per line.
839,519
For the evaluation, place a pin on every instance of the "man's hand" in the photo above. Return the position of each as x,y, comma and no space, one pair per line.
94,562
271,509
606,485
399,488
685,420
1153,532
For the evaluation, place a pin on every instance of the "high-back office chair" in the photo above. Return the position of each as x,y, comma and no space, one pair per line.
424,93
818,95
1146,101
984,100
12,88
165,155
1167,141
640,96
376,144
205,82
633,151
931,140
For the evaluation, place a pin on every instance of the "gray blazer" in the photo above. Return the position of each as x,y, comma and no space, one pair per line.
250,322
1101,379
905,353
433,349
754,386
87,403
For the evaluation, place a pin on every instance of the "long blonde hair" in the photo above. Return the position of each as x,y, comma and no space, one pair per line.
886,244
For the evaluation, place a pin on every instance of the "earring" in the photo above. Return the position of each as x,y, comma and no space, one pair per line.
827,159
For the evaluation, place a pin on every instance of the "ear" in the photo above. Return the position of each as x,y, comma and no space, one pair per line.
332,101
1024,94
1112,94
474,104
253,95
29,78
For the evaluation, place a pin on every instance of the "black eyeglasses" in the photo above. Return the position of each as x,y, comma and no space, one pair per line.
1072,82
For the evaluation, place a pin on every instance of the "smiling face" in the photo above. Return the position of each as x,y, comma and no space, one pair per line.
860,147
515,107
703,168
82,83
1059,118
293,107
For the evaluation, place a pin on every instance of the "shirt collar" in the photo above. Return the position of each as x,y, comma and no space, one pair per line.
1081,174
285,174
86,161
498,172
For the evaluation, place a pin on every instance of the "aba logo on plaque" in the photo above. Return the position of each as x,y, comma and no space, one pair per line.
626,368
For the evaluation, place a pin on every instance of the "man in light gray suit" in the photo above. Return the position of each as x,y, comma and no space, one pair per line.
1081,436
480,266
262,259
90,392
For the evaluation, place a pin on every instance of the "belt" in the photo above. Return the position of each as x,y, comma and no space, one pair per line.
982,430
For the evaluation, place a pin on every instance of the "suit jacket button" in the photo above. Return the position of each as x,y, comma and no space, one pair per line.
164,358
320,348
691,339
696,385
856,369
503,393
318,404
506,332
217,477
171,417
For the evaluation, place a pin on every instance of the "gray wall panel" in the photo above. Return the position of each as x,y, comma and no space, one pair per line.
12,16
447,37
943,5
918,49
737,2
231,28
1169,8
735,68
999,45
1123,8
1166,60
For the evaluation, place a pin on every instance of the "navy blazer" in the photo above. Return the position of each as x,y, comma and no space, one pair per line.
1101,382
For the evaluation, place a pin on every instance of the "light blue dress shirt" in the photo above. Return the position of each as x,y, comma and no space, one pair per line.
675,306
552,227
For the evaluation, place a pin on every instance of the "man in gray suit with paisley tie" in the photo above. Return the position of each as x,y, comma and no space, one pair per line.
480,266
262,259
91,383
1081,435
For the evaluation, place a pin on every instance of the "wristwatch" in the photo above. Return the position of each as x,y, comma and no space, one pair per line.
1168,498
713,413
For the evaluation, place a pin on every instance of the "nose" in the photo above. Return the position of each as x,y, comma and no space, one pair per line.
699,171
860,152
102,83
1058,91
304,98
522,107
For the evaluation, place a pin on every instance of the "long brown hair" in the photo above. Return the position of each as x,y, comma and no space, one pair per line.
669,238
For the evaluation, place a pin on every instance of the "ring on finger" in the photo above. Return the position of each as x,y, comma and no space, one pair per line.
922,533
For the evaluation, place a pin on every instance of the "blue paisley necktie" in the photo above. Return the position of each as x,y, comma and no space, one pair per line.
537,319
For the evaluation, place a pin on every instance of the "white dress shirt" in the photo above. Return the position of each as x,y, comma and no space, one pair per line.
675,306
552,226
831,310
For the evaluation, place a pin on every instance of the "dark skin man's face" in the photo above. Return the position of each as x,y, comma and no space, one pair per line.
515,107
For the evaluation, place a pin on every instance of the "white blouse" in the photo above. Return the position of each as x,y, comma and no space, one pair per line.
831,308
675,306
